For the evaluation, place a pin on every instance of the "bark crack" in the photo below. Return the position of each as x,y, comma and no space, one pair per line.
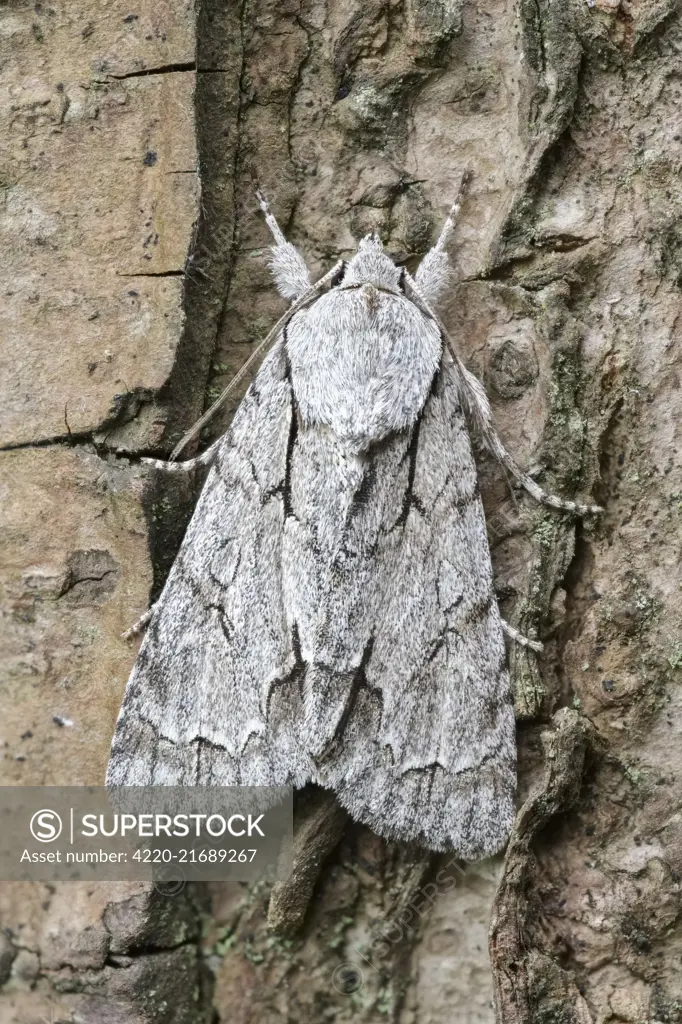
162,69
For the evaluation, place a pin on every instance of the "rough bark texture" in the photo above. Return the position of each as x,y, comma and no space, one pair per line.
134,286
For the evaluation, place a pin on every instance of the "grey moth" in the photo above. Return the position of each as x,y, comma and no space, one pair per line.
330,617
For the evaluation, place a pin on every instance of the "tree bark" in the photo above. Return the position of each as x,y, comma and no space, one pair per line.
135,285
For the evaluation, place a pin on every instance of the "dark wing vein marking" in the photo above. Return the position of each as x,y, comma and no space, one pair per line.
294,675
197,739
359,683
291,446
410,500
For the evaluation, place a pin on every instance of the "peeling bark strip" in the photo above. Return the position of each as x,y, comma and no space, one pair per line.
318,828
518,979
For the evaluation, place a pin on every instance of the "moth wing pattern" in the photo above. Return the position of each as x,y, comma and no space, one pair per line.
213,696
409,713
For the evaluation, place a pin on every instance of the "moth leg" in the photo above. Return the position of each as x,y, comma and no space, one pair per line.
476,401
434,273
141,623
285,262
205,459
534,645
477,408
318,827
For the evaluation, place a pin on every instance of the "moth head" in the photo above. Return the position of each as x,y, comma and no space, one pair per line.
371,265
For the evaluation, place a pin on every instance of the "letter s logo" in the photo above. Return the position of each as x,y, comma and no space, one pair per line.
46,826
